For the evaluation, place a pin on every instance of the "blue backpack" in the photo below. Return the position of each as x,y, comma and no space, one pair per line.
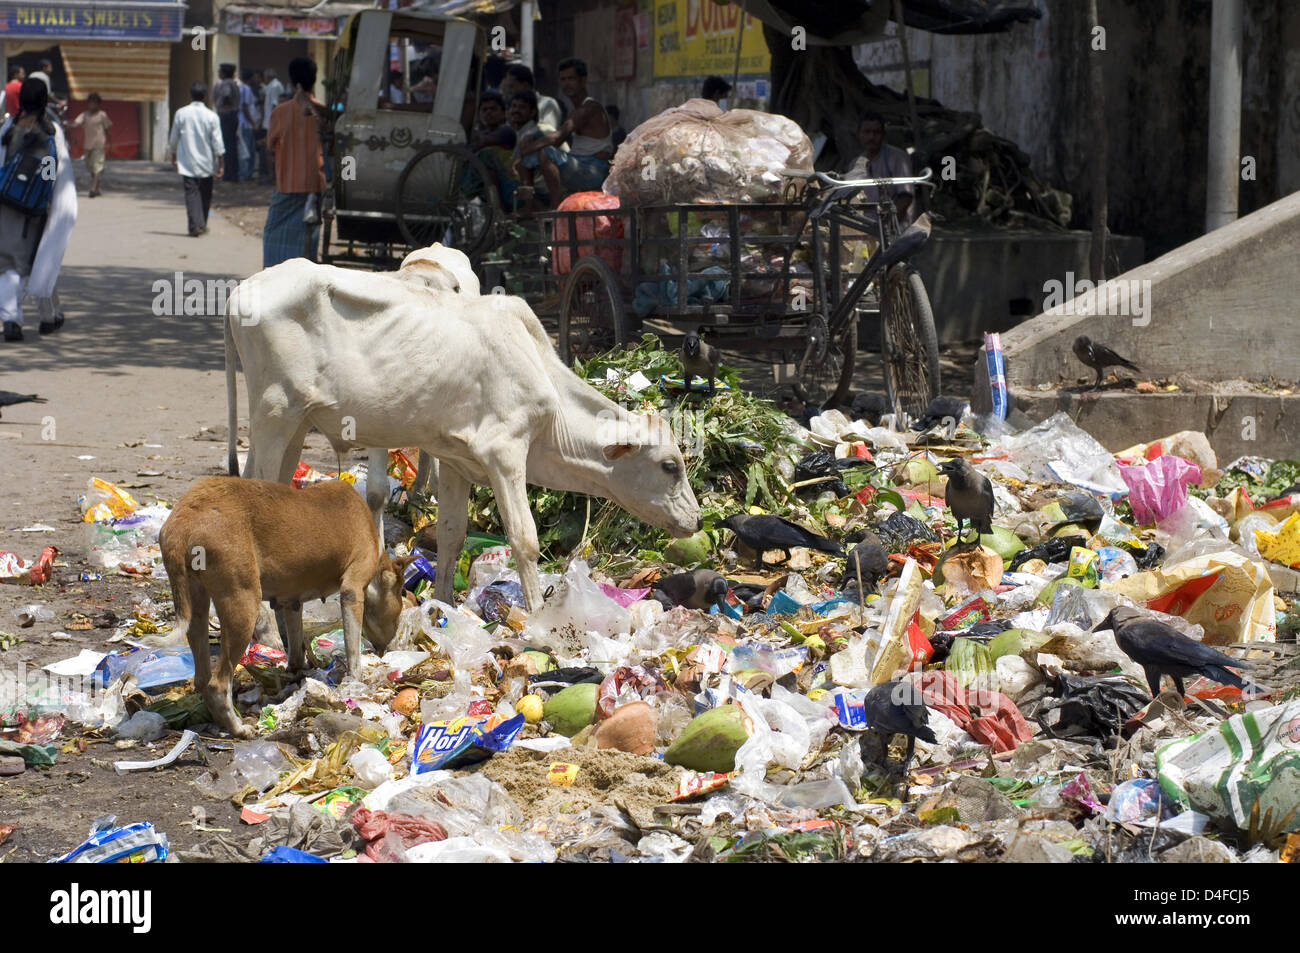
22,184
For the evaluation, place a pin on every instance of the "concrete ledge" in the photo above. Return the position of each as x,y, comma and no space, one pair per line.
1230,420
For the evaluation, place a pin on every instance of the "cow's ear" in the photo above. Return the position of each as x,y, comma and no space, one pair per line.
615,450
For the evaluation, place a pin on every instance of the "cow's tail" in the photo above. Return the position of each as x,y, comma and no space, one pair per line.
232,396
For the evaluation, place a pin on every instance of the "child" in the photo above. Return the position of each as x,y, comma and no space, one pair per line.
96,123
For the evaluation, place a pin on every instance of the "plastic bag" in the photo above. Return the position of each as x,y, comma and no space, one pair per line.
577,606
606,230
1250,759
103,501
701,154
1159,489
1058,449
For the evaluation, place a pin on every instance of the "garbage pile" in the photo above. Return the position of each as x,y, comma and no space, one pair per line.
698,153
1002,696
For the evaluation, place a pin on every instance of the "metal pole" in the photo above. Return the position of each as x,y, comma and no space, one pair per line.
919,197
735,72
1223,169
527,10
1097,118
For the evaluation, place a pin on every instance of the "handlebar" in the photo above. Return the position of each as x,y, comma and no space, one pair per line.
834,183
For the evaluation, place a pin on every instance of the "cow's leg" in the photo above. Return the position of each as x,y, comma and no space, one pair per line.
511,490
453,519
377,488
278,440
426,475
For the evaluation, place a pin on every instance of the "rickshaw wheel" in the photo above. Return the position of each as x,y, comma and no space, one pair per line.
593,318
430,201
909,344
826,373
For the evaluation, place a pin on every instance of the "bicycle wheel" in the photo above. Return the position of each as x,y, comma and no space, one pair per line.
593,318
826,373
432,205
909,344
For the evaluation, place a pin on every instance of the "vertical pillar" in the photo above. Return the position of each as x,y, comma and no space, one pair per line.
1223,172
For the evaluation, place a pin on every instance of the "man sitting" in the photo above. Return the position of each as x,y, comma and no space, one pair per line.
880,160
584,167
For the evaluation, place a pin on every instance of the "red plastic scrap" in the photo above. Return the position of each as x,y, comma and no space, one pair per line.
374,825
999,723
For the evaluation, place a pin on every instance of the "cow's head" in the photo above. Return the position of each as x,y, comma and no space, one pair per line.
440,268
648,474
383,602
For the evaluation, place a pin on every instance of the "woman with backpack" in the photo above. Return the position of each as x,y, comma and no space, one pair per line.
38,207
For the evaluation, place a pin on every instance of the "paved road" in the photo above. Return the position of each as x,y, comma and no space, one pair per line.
118,373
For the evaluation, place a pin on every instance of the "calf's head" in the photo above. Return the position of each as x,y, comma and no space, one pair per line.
648,474
383,602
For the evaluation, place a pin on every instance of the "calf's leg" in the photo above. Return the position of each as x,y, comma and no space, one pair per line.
237,610
351,597
511,490
453,519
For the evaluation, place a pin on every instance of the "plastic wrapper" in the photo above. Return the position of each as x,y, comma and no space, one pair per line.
107,844
698,153
1228,594
999,723
103,502
1281,543
461,741
1248,764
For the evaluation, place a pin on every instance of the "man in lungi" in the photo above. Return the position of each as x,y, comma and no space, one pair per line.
293,138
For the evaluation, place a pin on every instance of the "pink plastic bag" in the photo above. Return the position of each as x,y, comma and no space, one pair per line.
1159,489
624,597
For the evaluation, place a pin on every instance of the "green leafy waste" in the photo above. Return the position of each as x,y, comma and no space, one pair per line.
1281,475
733,444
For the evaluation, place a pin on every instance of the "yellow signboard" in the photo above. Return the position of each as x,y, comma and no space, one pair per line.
695,38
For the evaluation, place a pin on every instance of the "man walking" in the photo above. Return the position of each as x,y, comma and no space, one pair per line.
226,99
271,90
247,126
197,150
293,138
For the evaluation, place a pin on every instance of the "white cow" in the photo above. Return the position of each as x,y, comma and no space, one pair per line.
378,360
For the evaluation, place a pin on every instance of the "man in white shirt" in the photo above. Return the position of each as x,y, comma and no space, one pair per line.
880,160
519,79
198,151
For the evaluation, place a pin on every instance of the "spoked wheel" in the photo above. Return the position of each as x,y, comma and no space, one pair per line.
432,205
909,345
826,371
593,318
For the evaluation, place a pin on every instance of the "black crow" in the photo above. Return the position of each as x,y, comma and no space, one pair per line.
761,533
969,495
895,708
940,409
1162,650
871,558
869,407
698,360
9,398
911,241
697,589
1098,356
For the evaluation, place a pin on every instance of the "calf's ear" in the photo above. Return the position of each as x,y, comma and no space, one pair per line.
616,450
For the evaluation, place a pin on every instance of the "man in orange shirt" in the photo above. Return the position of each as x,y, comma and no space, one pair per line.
293,138
16,76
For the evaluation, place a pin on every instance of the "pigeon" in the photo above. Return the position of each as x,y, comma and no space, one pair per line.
969,495
896,708
1098,356
9,398
1162,650
698,360
870,407
871,558
697,589
761,533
